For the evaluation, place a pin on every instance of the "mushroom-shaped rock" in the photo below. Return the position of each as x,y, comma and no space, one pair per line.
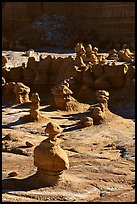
50,158
61,95
102,97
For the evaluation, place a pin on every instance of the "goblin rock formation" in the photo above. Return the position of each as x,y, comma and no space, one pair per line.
49,158
22,93
100,112
98,116
102,97
62,95
34,107
63,99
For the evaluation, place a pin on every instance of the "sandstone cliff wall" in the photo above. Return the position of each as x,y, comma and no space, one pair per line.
87,20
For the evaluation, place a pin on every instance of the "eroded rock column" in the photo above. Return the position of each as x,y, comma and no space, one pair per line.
49,158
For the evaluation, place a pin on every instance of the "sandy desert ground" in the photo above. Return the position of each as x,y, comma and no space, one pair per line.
102,157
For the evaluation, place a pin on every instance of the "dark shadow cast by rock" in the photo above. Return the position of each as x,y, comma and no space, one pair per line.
25,184
24,119
70,128
23,105
17,122
77,116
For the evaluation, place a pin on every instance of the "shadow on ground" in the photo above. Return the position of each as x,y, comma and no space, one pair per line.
25,184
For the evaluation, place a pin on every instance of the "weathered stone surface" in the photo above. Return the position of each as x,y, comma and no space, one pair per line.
4,60
30,72
102,82
97,70
116,74
28,76
88,77
85,122
34,107
32,64
113,55
44,66
50,158
130,76
125,55
105,24
61,96
98,116
9,91
21,92
6,73
16,74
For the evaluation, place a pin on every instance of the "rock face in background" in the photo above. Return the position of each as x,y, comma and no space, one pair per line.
109,22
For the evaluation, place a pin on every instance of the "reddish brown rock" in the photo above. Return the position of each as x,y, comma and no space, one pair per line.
116,74
97,70
102,82
34,107
98,116
16,74
42,76
88,78
6,73
102,97
49,158
4,60
22,93
85,122
9,91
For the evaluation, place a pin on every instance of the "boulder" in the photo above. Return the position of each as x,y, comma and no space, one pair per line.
85,122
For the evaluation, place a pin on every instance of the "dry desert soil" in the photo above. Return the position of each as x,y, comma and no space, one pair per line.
101,157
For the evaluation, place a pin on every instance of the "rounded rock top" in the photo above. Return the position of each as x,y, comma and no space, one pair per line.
53,129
